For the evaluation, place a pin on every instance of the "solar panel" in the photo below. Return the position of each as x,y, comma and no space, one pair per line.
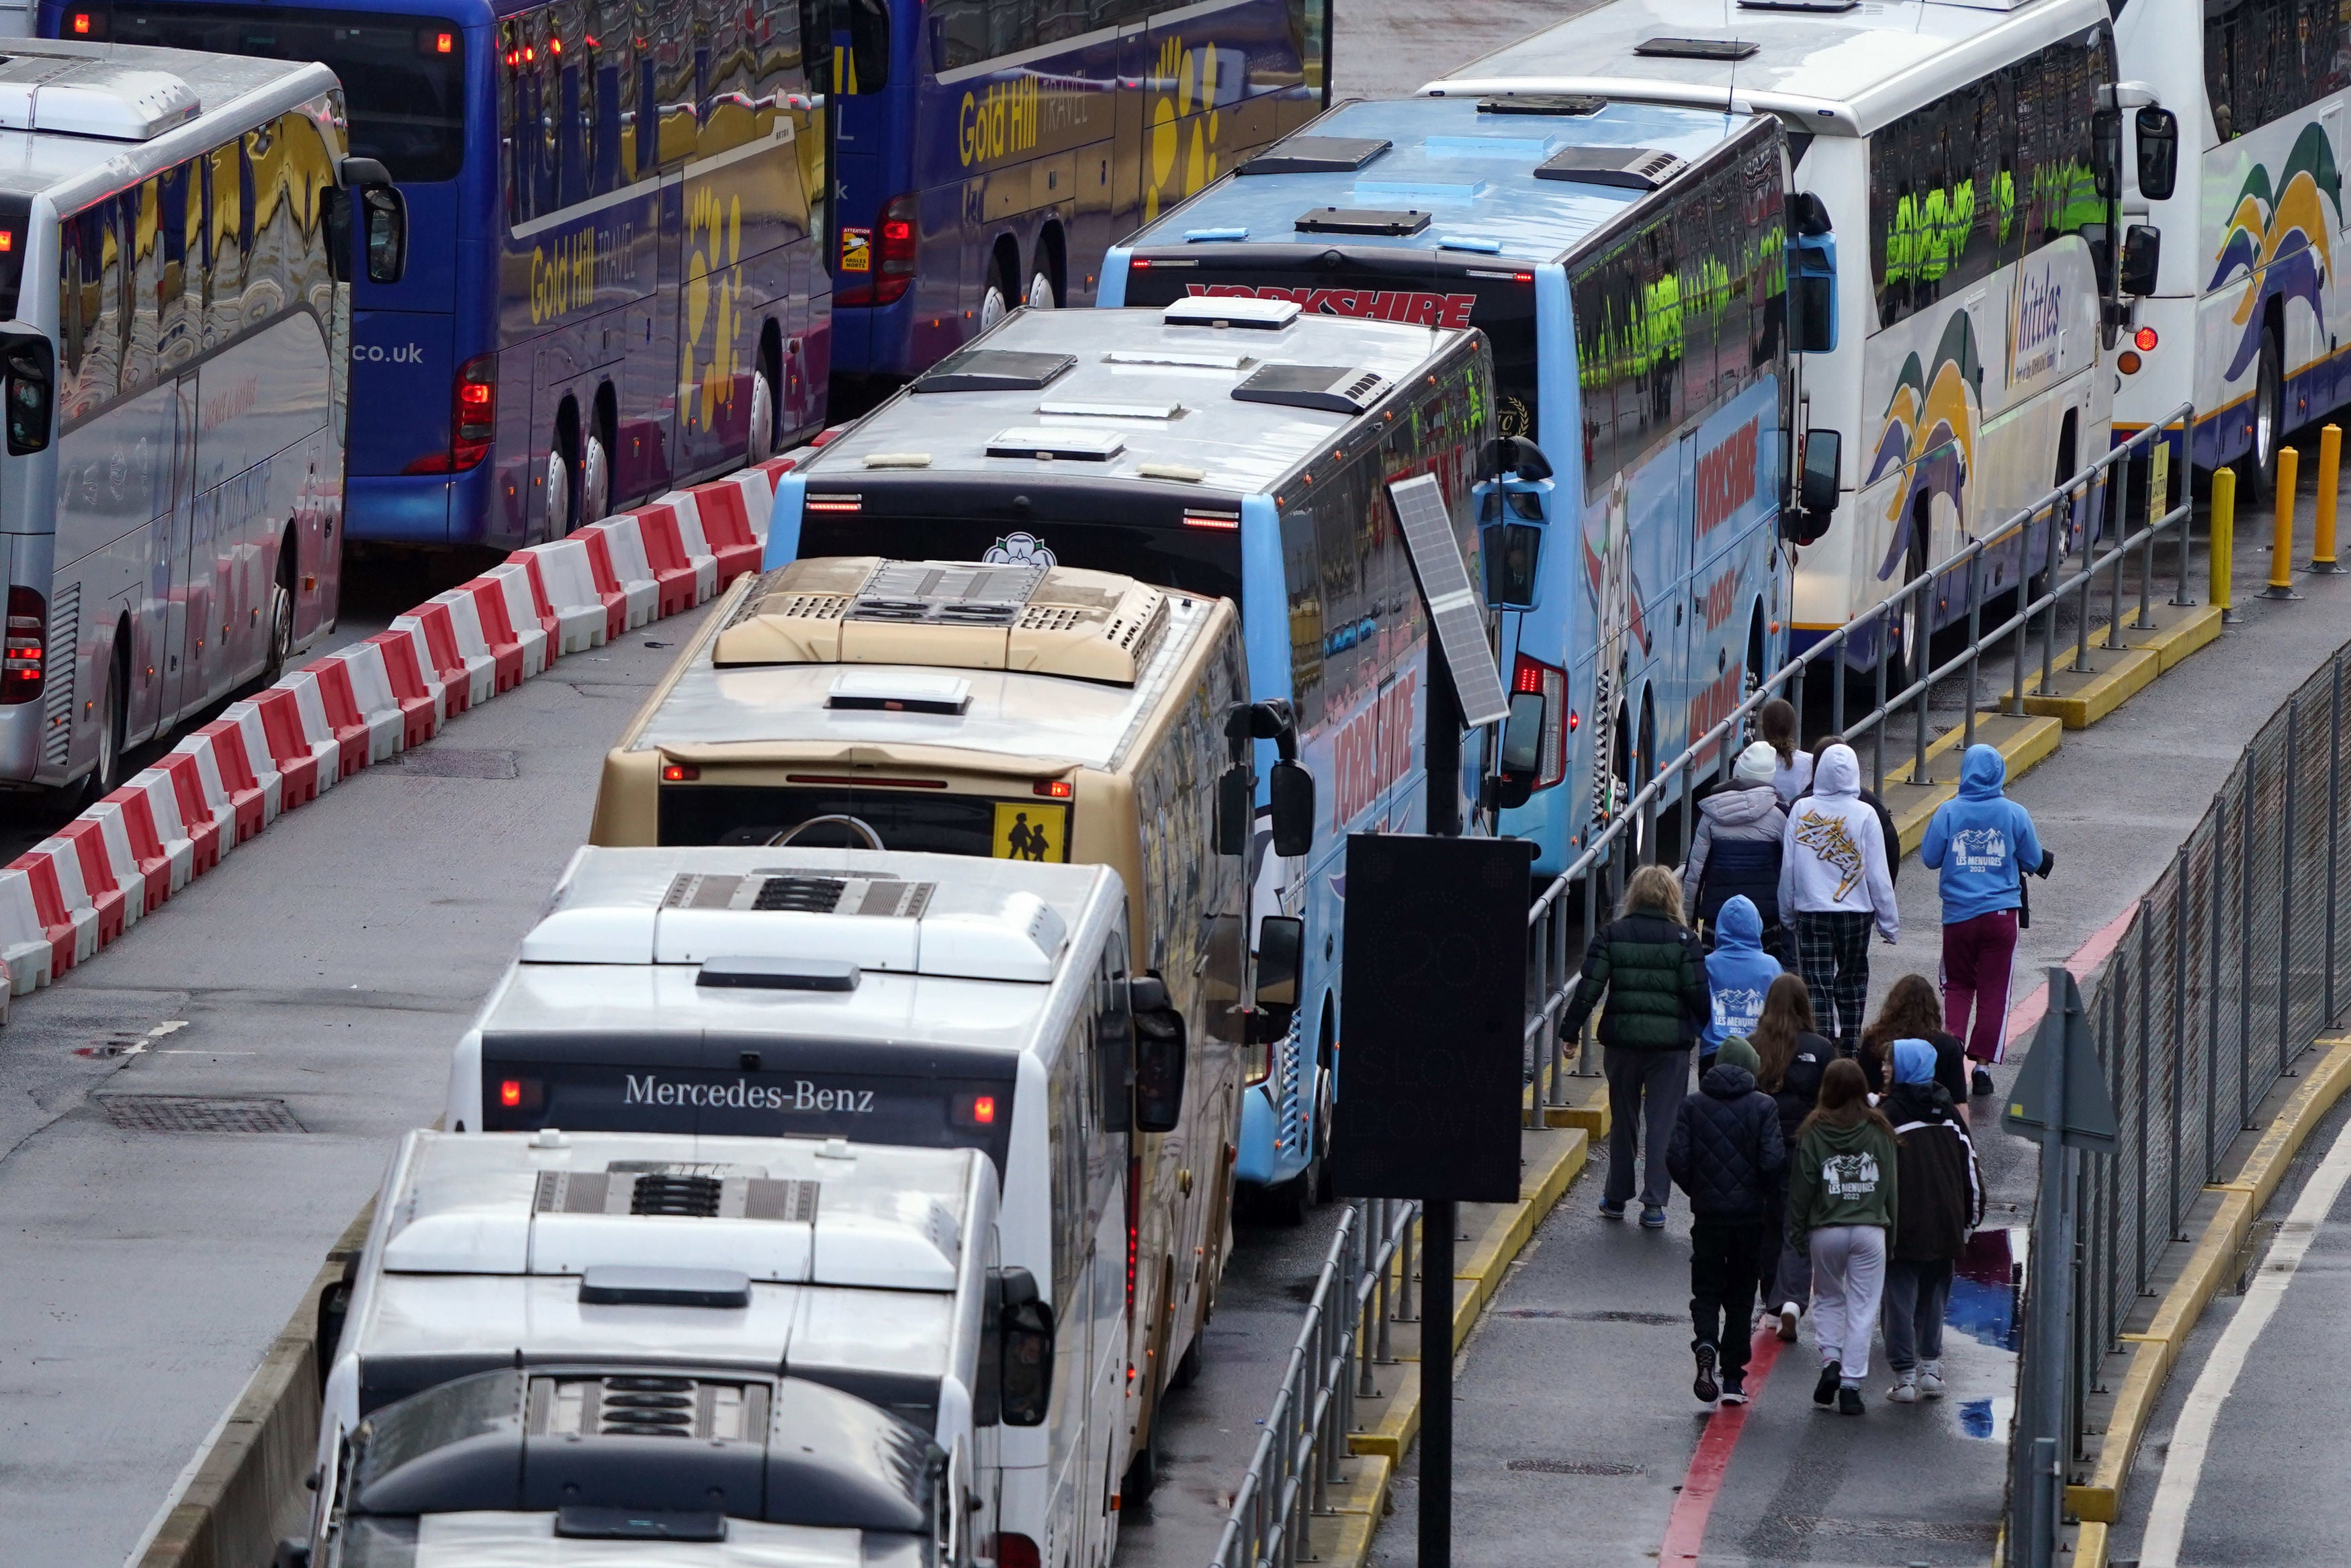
1453,601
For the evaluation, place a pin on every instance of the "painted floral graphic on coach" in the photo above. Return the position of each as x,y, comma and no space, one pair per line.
2278,239
1929,432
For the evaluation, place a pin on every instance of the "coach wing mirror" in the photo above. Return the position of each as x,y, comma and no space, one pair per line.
1816,488
1510,551
1521,760
1233,814
1280,961
2159,153
29,365
2142,257
1292,791
865,68
1158,1056
1517,457
1015,1363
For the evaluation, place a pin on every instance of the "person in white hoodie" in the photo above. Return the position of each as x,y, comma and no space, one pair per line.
1832,886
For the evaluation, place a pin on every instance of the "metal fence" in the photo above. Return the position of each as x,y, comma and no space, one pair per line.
2120,568
1365,1286
2225,974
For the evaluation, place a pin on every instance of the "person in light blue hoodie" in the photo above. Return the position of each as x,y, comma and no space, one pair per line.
1738,974
1983,843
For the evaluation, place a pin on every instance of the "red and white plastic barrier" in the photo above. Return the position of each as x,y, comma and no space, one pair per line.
70,894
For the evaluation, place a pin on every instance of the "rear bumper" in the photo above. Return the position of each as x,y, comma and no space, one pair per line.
21,724
418,509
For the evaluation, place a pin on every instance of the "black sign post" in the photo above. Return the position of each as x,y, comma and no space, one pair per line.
1435,978
2060,1097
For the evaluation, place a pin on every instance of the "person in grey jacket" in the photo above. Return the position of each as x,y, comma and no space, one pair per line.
1738,830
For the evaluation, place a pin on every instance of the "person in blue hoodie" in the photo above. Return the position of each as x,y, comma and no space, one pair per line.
1738,974
1983,843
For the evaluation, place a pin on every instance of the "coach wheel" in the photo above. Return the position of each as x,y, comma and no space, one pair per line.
281,612
107,774
763,417
595,479
559,494
996,299
1040,292
2269,418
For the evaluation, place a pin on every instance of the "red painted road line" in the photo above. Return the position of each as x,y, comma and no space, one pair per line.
2026,1014
1685,1528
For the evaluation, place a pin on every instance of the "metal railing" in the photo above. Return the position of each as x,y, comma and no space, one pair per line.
1899,688
2224,976
1365,1286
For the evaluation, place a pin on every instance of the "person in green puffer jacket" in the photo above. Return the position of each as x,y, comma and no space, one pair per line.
1651,968
1842,1202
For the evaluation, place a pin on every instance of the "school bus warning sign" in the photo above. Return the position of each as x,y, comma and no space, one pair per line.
1032,830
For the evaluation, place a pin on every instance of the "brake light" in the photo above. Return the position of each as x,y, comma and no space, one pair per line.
510,1093
983,1110
1053,789
894,241
832,503
86,25
473,419
2146,339
1227,522
1534,675
1015,1551
680,772
27,652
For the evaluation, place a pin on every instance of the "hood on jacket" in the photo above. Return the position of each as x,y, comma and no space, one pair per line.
1914,1062
1838,774
1927,1102
1843,1139
1740,806
1739,925
1982,773
1724,1081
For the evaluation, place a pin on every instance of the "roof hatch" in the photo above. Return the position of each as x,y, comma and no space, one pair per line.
1225,310
1819,7
1629,168
1559,103
993,370
1362,221
1058,620
1050,443
92,98
1333,388
1316,155
1668,49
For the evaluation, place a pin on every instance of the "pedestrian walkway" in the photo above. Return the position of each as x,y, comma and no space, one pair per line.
1578,1439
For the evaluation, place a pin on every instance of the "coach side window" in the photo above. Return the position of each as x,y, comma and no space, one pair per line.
89,310
2264,59
1941,198
2056,94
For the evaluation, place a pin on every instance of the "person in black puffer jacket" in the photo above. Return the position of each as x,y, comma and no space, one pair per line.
1942,1201
1650,966
1794,1057
1727,1155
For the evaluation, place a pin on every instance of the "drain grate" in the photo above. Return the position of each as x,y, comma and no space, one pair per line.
1958,1531
196,1114
452,762
1654,1318
1546,1467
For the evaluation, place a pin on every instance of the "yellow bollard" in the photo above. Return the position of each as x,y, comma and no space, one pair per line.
2289,465
2330,462
2222,545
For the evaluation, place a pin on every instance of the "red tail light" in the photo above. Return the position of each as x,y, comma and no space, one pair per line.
1534,675
473,419
27,648
510,1093
1133,1226
1015,1551
894,261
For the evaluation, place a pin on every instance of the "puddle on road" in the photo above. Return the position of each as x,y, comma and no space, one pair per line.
1983,1295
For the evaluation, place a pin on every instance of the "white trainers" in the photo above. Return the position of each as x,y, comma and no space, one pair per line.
1906,1388
1789,1313
1930,1379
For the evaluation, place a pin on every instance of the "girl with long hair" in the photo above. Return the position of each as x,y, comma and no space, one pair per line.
1841,1202
1794,1057
1912,1010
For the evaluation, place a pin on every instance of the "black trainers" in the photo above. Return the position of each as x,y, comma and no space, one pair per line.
1703,1384
1981,1083
1848,1400
1825,1391
1734,1388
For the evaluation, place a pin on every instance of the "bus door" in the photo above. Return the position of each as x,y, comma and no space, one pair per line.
193,635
